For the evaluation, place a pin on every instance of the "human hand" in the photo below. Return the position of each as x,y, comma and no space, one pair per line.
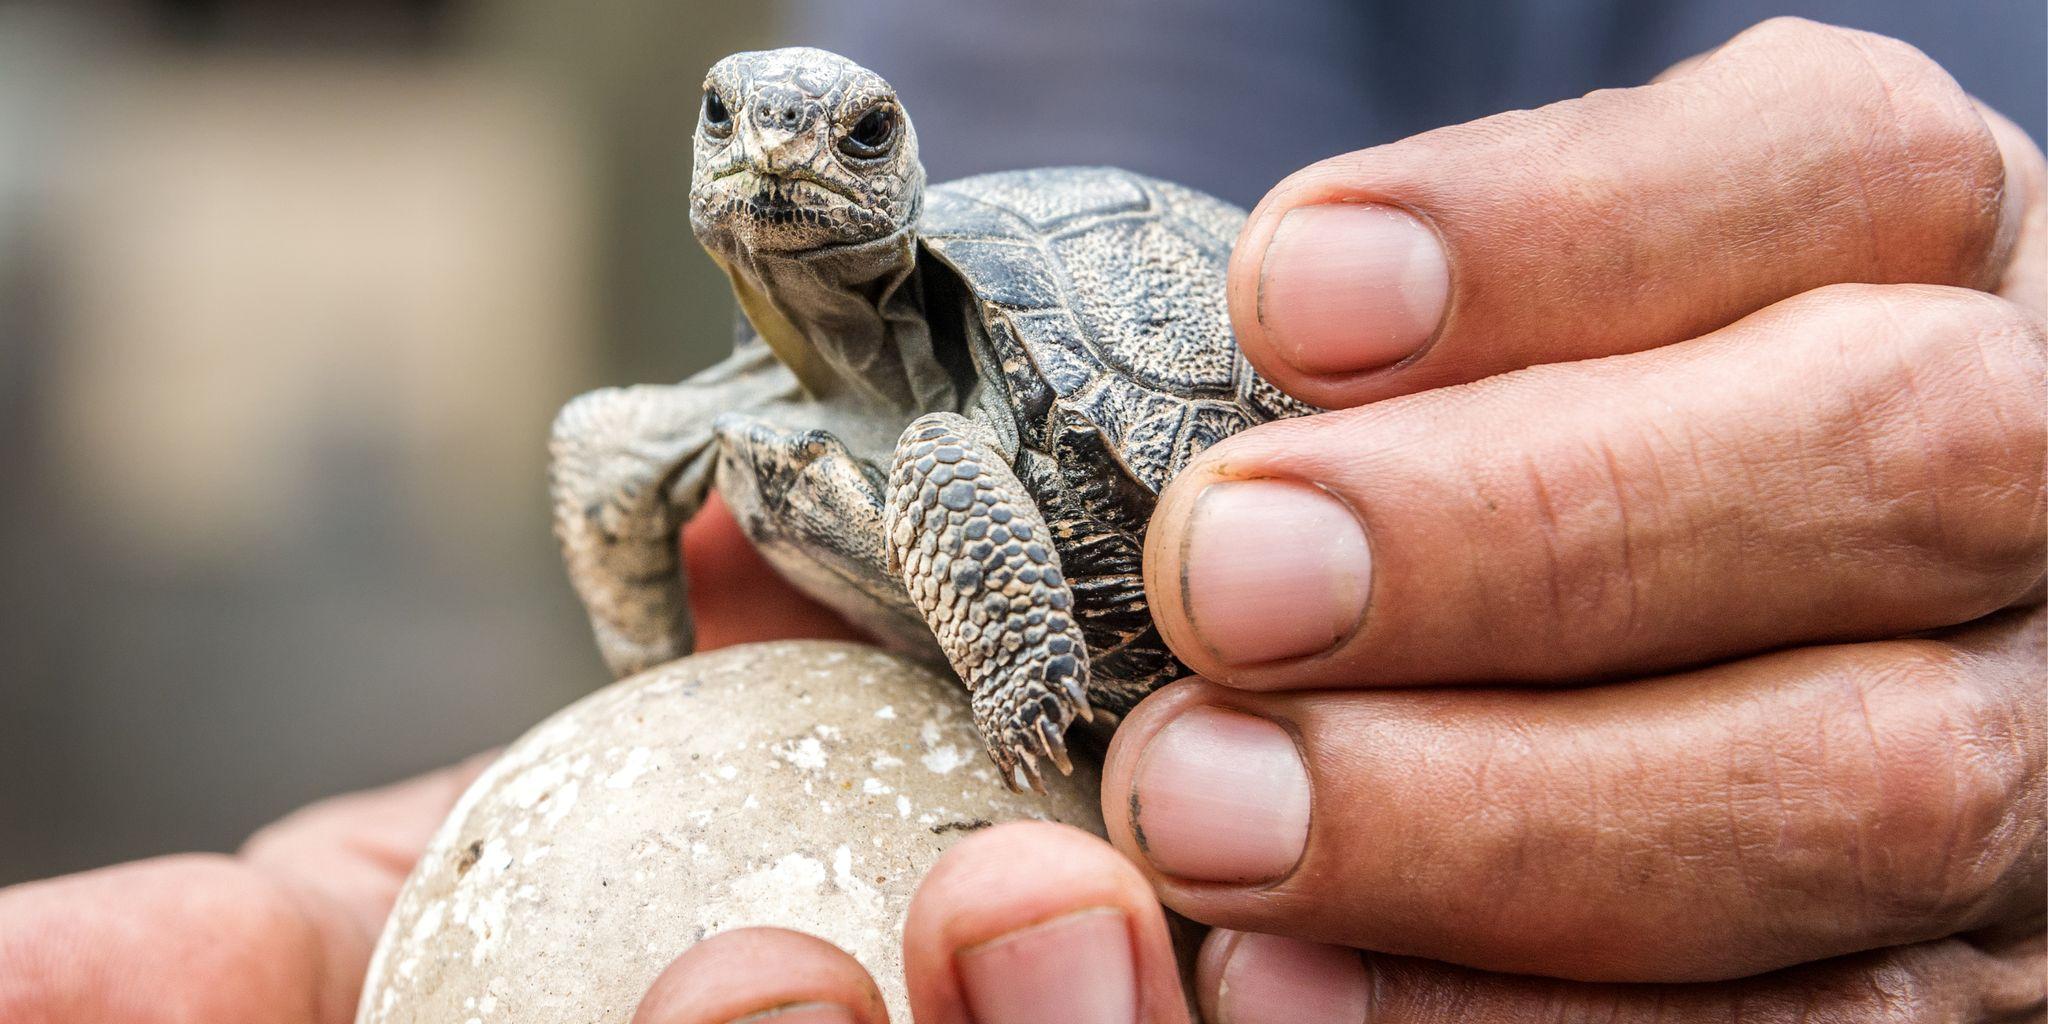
736,597
280,932
1771,456
1813,466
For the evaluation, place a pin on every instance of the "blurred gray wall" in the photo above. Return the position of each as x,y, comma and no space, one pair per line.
288,295
1230,96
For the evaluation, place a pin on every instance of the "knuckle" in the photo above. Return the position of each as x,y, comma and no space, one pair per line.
2011,358
2024,329
1894,990
1819,45
1941,400
1939,151
1948,784
1920,144
1986,343
1987,441
1889,63
1913,984
1788,31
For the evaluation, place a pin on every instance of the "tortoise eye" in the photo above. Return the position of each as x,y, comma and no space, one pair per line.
871,135
717,119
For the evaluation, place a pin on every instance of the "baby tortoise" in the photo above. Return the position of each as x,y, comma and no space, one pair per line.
949,411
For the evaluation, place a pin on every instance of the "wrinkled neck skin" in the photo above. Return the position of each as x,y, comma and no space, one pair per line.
848,319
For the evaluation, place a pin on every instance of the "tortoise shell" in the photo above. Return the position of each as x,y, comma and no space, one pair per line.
1102,292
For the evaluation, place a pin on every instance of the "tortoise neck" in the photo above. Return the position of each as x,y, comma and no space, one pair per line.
849,320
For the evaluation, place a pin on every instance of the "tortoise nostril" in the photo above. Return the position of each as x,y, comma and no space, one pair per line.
781,115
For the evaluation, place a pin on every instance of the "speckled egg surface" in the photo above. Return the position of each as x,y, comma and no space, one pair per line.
806,785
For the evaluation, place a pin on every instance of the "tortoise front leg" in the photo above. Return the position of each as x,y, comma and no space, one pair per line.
978,561
628,467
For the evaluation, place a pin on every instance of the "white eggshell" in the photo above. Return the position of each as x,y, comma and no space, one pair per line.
806,785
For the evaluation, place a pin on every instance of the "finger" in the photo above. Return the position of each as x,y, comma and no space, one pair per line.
764,975
289,924
2026,212
1701,826
736,597
1856,462
1797,155
1035,923
1257,979
356,850
204,933
1249,978
345,859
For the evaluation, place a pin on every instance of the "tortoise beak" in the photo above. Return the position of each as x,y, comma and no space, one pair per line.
775,152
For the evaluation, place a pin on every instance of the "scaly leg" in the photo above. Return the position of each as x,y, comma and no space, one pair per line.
978,561
629,466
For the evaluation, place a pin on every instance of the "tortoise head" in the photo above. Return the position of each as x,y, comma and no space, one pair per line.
798,150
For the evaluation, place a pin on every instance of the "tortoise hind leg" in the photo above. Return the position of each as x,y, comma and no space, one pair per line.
978,562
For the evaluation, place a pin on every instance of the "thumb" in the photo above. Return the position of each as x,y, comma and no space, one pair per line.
282,932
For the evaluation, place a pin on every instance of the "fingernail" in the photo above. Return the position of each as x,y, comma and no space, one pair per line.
806,1013
1273,569
1220,796
1075,969
1274,980
1351,286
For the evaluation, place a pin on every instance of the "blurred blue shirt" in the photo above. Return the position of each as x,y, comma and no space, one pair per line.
1232,95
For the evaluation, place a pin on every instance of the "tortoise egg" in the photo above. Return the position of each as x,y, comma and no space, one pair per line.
800,784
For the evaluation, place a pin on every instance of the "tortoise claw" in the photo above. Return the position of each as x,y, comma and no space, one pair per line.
1081,708
1054,746
1022,774
1016,755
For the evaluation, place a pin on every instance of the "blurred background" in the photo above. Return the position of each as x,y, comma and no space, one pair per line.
289,292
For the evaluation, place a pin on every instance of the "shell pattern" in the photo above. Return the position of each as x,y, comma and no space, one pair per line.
1103,295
